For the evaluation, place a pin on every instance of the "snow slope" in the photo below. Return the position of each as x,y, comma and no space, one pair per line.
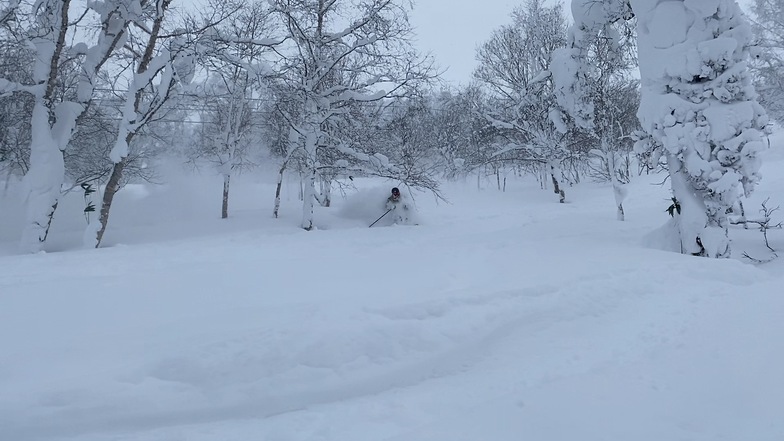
504,316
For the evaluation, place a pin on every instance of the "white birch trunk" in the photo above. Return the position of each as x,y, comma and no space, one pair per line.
308,198
619,188
312,131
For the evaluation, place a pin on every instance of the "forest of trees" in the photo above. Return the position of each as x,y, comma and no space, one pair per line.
94,94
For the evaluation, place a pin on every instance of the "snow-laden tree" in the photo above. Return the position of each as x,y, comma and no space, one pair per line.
407,134
432,132
514,66
159,58
464,114
143,98
460,132
768,65
237,65
45,27
698,108
614,94
341,53
227,132
16,65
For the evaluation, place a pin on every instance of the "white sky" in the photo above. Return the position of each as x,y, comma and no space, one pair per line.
451,30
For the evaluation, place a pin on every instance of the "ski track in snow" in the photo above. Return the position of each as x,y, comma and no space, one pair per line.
480,325
404,345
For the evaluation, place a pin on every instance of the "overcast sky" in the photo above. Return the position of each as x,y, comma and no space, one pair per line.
452,29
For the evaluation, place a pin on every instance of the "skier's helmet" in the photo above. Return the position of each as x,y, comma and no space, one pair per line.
395,192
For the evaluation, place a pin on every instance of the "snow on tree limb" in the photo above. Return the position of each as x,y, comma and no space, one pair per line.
698,106
571,67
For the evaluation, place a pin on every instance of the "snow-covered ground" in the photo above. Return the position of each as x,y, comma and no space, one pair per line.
502,316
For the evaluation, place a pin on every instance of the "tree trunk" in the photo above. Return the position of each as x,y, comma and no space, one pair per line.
326,192
557,189
43,180
276,210
691,220
702,228
576,173
49,220
309,199
225,207
743,215
130,114
619,191
112,187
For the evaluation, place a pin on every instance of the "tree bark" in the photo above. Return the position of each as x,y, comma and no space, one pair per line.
743,215
225,207
276,210
309,199
112,187
557,189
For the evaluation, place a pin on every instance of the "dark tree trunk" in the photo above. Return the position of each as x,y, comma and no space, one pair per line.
112,187
557,190
225,207
276,210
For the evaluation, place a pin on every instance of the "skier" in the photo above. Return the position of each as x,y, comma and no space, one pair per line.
398,206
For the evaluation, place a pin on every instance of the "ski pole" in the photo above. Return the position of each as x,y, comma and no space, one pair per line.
374,222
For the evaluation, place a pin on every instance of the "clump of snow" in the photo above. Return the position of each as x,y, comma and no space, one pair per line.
368,204
557,119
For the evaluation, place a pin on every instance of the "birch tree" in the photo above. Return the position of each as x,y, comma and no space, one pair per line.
768,63
239,68
48,23
514,65
342,53
157,64
615,98
136,112
15,109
